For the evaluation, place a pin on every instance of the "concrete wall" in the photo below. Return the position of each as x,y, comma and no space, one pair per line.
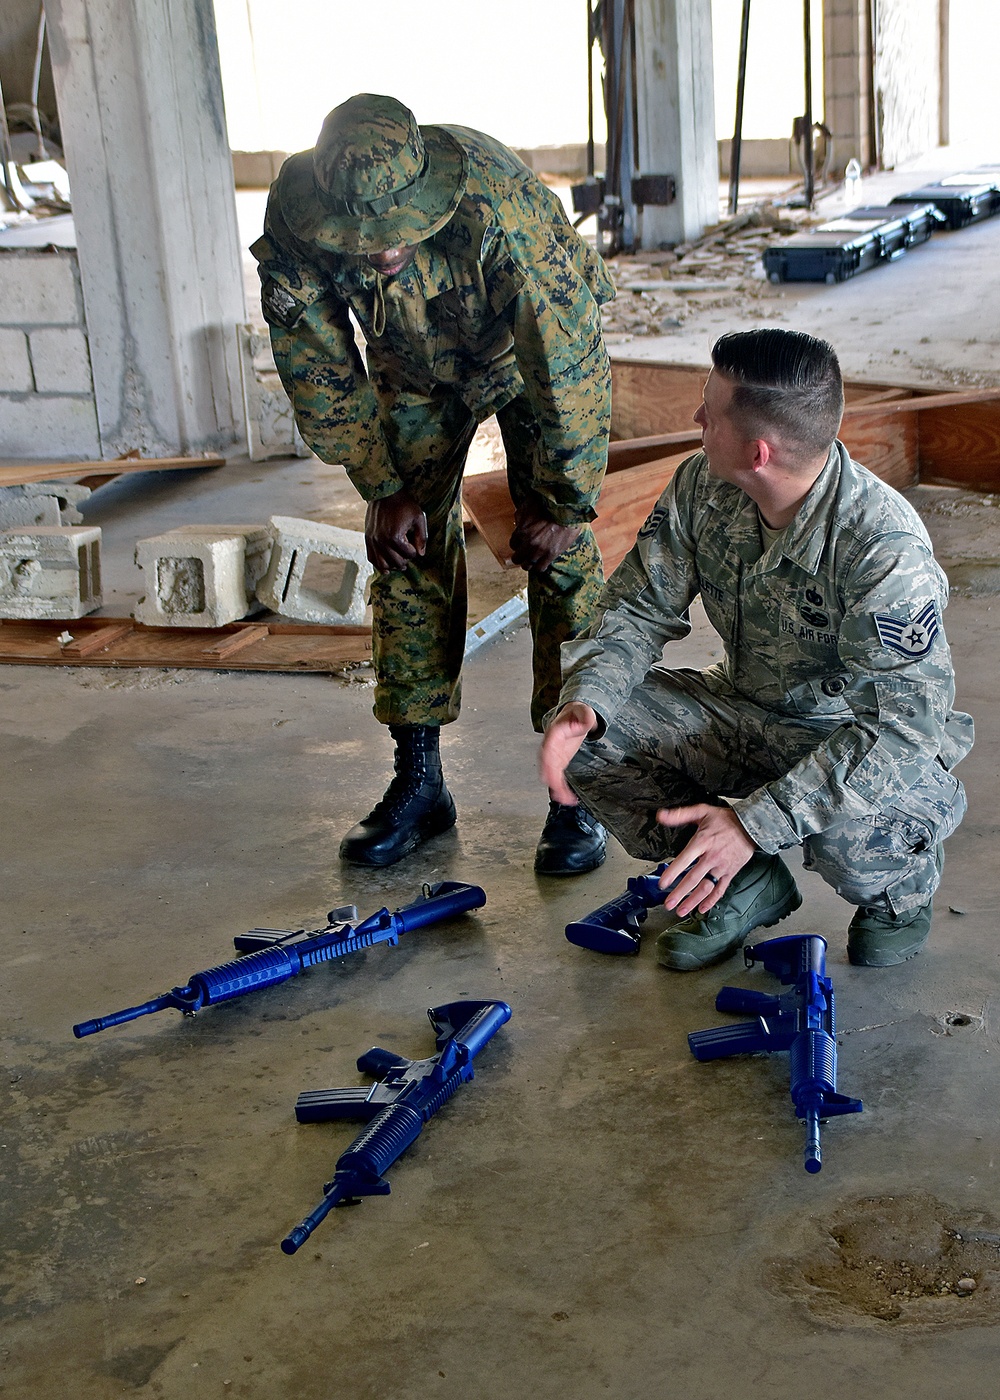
908,78
47,404
847,68
154,207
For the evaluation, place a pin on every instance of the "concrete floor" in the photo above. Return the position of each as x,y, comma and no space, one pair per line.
596,1214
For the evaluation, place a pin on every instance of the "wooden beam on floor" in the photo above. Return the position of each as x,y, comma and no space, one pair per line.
97,473
113,642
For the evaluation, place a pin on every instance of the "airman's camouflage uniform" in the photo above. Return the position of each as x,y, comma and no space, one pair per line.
828,723
497,313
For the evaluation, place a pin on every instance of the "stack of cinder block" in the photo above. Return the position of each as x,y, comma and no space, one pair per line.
210,575
50,571
201,575
196,575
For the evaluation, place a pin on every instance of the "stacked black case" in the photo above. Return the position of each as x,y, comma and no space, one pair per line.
852,243
963,199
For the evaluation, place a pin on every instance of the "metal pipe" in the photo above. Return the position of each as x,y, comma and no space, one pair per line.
807,120
590,90
36,79
736,150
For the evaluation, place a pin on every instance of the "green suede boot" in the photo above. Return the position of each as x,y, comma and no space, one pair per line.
760,894
884,940
875,939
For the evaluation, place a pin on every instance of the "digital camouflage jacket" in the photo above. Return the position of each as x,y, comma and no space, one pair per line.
502,301
837,625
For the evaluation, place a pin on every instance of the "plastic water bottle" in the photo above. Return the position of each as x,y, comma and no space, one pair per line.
852,184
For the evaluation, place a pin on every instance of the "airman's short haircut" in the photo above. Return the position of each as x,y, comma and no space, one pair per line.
785,384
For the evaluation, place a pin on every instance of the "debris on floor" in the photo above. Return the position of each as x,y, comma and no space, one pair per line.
657,291
904,1260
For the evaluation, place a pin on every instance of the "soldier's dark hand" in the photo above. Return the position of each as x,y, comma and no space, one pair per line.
538,540
395,531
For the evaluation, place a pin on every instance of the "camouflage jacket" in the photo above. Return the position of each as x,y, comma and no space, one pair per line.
502,301
838,624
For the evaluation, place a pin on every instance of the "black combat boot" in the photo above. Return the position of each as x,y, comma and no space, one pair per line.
416,805
572,842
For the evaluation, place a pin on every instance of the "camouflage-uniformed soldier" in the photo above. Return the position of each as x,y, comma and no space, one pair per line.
829,722
475,297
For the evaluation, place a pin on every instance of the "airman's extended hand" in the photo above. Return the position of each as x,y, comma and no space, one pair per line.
719,848
562,739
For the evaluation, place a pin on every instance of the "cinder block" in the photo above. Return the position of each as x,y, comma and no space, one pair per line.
201,575
61,360
38,289
41,503
15,367
50,571
317,573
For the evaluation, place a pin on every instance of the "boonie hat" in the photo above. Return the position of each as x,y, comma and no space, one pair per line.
374,180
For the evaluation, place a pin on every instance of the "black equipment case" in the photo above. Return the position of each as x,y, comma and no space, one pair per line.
962,199
852,243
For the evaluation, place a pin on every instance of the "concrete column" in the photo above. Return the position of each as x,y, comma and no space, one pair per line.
847,82
140,106
677,116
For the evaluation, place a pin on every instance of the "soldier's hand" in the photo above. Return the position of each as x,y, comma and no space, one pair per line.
719,848
562,739
395,531
538,540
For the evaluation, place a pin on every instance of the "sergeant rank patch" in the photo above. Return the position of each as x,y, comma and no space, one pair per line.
909,636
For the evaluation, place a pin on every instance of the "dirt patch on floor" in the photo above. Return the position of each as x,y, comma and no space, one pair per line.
898,1260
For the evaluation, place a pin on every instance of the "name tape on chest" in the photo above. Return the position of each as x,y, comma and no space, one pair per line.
911,637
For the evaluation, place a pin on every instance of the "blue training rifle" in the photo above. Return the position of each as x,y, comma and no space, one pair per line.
270,956
802,1021
614,928
407,1094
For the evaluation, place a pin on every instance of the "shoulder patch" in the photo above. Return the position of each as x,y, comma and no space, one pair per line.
912,637
279,306
653,522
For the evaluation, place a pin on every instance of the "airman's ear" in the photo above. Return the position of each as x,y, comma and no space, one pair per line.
761,454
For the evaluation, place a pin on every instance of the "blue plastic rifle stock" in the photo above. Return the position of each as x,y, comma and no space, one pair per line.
802,1021
271,956
408,1093
614,928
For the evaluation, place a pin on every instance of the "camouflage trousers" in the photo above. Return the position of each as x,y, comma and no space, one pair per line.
686,737
419,614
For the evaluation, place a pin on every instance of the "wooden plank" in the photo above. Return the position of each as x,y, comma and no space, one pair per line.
961,448
923,403
486,500
632,452
287,647
889,447
626,499
237,641
22,474
98,640
650,397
